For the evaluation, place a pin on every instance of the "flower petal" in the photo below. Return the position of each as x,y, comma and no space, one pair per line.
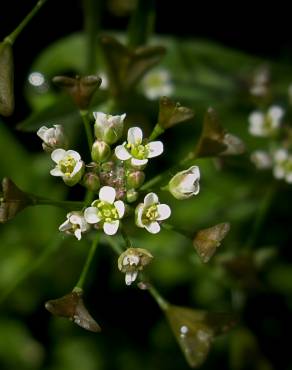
91,216
130,277
155,148
58,154
110,228
77,168
120,207
138,215
153,227
41,132
164,212
138,162
135,135
150,198
122,153
73,154
65,226
77,233
56,172
107,194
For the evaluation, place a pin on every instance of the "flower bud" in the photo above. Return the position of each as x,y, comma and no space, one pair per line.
52,137
12,200
185,184
91,181
6,79
71,306
100,151
108,128
135,179
132,261
132,195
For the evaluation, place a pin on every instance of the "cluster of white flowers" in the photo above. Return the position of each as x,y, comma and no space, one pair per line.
265,124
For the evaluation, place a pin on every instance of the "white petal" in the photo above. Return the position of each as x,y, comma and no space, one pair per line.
58,154
120,207
130,277
73,154
150,199
138,162
122,153
288,177
41,132
279,172
281,155
90,215
75,219
77,168
107,194
110,228
164,212
138,212
65,226
256,118
276,113
77,233
56,172
99,116
49,135
135,135
155,149
153,227
195,171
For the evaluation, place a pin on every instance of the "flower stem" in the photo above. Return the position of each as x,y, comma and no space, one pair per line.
157,131
58,203
177,230
33,266
126,238
13,35
86,122
162,303
86,266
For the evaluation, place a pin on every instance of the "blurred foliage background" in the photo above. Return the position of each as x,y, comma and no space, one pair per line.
256,283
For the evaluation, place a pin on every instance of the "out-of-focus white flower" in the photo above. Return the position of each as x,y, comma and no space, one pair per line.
105,211
185,184
265,124
108,128
157,83
52,137
104,81
132,261
69,166
261,159
150,213
283,165
75,224
135,150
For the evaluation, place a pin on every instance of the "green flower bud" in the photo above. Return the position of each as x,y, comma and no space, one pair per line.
185,184
135,179
6,79
100,151
12,200
108,128
132,261
132,195
91,181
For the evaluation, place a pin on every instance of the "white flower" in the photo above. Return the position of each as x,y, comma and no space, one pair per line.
264,125
157,83
104,80
106,211
69,166
261,159
52,137
151,212
75,224
185,184
108,128
135,150
283,165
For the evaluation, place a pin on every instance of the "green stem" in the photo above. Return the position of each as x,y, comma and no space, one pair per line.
86,122
126,238
91,11
34,265
162,303
13,35
59,203
261,214
157,131
88,261
177,230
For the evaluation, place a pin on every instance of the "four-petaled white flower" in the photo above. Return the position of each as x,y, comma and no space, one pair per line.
157,83
75,224
185,184
261,159
283,165
151,212
69,166
105,211
264,125
52,137
108,128
135,150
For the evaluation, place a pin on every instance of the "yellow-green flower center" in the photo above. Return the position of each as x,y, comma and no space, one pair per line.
139,151
67,165
151,213
106,211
